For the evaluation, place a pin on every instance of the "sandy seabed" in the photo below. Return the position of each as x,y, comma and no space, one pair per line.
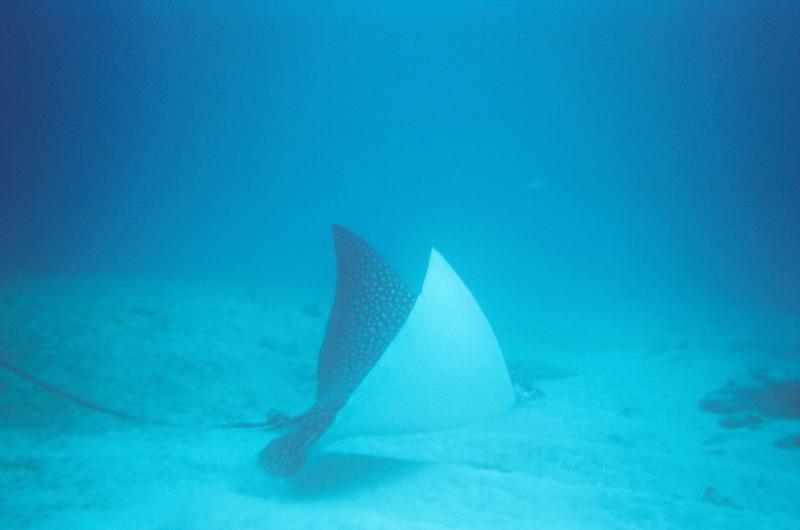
687,423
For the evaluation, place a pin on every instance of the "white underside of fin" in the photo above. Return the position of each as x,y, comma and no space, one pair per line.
444,369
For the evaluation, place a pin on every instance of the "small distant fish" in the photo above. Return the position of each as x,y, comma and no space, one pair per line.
534,185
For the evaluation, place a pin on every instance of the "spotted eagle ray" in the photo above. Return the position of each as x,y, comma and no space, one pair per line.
391,362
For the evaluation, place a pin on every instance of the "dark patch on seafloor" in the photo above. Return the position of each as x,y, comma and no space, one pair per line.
278,345
753,398
788,442
312,310
712,496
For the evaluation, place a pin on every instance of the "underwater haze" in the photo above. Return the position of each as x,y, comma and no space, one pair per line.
616,183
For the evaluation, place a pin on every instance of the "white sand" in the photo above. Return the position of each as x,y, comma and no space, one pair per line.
615,440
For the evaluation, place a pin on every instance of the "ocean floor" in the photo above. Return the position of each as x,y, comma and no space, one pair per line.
688,421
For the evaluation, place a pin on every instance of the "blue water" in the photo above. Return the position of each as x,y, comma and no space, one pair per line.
576,163
226,138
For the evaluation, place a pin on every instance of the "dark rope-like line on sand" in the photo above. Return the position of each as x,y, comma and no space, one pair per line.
77,400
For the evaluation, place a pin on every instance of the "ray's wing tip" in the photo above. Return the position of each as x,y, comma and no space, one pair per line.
342,234
338,230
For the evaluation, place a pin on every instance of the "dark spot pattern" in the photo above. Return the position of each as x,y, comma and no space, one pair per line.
370,305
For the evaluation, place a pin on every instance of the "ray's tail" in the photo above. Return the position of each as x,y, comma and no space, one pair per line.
102,409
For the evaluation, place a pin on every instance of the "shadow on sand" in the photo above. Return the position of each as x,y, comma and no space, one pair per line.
329,475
